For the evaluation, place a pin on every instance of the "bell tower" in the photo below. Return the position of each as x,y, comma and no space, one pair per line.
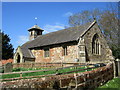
34,32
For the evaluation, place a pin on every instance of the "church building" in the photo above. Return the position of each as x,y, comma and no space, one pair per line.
75,44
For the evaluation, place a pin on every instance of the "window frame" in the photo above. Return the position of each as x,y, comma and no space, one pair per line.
46,52
96,47
65,50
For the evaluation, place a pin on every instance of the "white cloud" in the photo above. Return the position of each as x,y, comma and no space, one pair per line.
22,39
51,28
47,28
68,14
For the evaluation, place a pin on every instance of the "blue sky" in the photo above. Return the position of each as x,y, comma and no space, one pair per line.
18,17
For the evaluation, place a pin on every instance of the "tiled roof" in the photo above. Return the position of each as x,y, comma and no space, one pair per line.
25,51
6,61
35,27
61,36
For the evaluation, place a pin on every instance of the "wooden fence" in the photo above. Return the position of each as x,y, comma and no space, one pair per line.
8,67
87,80
88,66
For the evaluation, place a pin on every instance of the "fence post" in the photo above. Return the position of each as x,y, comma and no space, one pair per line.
62,64
75,80
117,67
32,64
21,75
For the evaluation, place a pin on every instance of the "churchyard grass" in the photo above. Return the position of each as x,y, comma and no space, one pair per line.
10,76
113,84
27,69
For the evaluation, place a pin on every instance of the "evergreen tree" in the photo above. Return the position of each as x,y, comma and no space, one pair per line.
7,48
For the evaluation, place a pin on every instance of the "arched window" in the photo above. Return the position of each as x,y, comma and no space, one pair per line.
96,45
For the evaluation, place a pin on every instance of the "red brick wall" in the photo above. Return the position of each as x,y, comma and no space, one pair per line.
43,65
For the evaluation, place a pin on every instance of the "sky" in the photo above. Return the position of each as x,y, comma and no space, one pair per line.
18,17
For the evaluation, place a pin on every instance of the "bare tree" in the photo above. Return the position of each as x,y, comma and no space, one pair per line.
84,17
108,21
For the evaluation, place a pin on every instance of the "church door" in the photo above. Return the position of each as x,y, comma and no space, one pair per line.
18,59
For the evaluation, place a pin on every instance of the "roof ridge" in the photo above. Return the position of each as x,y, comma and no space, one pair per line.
89,27
56,37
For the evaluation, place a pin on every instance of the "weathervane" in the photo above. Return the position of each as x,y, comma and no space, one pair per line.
36,20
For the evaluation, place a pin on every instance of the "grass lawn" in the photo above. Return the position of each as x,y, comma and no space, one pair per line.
27,69
113,84
41,72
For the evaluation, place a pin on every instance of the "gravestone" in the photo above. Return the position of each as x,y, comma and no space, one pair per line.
8,67
1,69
